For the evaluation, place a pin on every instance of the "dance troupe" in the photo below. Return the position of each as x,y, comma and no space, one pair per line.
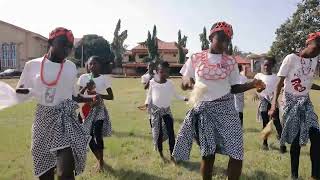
61,136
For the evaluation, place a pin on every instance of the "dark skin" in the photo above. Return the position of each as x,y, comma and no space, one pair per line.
311,51
59,49
94,68
150,72
219,44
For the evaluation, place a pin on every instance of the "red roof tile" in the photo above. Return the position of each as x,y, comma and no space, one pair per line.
162,46
241,60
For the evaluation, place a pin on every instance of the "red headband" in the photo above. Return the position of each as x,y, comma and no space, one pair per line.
62,31
312,36
223,26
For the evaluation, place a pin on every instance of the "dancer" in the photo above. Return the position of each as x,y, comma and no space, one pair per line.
265,97
214,121
160,93
58,139
95,83
300,121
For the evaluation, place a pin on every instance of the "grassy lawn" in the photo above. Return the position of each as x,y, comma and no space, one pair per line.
130,151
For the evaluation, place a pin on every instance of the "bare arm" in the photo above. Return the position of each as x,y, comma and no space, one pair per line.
146,85
109,96
240,88
83,89
276,95
80,99
315,87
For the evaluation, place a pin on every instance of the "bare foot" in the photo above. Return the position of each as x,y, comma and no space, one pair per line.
173,161
100,167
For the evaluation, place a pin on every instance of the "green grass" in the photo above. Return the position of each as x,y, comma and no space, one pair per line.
130,151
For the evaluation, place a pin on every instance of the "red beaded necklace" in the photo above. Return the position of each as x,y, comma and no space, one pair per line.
53,83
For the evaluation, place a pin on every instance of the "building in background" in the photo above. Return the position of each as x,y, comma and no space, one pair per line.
133,62
18,45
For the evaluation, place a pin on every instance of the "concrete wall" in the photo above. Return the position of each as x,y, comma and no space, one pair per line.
29,45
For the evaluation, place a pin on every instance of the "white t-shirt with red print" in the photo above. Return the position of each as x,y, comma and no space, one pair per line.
216,87
53,95
298,73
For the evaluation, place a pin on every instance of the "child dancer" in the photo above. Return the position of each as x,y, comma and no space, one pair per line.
161,91
145,79
58,140
239,98
265,98
94,83
300,121
214,121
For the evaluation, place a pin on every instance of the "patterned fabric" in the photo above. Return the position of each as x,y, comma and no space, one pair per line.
298,117
156,119
100,113
262,107
239,101
216,127
55,128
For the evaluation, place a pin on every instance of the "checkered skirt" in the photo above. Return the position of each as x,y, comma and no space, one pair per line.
156,118
298,116
55,128
216,127
100,113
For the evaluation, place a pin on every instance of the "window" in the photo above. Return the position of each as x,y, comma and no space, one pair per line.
9,55
174,55
13,59
141,56
5,54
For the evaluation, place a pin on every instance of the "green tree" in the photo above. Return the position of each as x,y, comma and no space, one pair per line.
204,40
152,45
181,45
291,35
94,45
117,46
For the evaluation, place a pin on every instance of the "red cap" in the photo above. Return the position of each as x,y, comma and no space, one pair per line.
62,31
223,26
312,36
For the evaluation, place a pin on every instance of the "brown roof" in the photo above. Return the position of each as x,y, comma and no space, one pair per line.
162,47
241,60
22,29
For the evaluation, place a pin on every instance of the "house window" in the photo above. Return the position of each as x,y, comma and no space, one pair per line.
174,55
141,56
9,55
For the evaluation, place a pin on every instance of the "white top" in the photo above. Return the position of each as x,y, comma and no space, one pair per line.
103,82
216,88
271,82
298,76
49,96
161,94
239,98
242,79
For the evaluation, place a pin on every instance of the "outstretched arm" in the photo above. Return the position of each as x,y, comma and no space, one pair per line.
109,96
276,96
240,88
315,87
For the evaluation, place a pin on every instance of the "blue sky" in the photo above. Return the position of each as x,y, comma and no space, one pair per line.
254,21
